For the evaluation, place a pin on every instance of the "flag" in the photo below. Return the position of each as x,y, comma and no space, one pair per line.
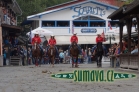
103,36
109,25
72,28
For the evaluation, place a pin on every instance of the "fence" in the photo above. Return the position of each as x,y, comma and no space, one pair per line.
15,60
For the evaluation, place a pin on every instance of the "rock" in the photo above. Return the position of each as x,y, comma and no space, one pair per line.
118,85
45,71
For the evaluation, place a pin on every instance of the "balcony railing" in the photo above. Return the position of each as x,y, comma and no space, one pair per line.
7,20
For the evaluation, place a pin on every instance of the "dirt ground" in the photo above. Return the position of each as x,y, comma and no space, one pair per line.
32,79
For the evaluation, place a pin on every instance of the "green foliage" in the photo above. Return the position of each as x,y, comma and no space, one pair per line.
30,7
129,1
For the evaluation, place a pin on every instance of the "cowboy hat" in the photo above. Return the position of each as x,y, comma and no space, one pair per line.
36,34
74,33
52,35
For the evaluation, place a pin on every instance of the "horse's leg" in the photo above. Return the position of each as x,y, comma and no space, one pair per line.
72,62
97,61
50,61
101,60
40,59
53,59
35,61
76,64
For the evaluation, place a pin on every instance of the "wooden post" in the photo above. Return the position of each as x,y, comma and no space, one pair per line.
137,18
1,54
129,26
121,35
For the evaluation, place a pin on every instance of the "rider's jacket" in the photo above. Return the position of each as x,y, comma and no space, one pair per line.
36,39
52,41
74,38
99,39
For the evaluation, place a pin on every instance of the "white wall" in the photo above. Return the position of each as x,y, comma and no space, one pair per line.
66,14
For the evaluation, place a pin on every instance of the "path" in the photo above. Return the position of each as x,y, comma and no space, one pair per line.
31,79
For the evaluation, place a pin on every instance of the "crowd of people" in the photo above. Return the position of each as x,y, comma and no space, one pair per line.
85,55
114,50
8,16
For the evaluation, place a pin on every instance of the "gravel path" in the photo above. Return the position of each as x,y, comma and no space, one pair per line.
38,79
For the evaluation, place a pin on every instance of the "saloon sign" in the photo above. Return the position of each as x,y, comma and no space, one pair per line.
88,10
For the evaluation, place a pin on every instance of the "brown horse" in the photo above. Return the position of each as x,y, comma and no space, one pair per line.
36,54
74,51
51,54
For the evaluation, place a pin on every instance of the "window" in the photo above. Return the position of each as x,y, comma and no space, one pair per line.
97,23
80,23
114,23
88,18
89,21
48,23
63,23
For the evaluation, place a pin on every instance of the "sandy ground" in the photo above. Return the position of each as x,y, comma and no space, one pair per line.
31,79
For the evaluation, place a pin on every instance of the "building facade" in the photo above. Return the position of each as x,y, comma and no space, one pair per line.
85,17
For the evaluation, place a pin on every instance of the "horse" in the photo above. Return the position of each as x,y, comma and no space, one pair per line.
74,52
98,52
51,54
37,54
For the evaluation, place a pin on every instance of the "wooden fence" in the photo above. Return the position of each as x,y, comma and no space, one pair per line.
15,60
129,61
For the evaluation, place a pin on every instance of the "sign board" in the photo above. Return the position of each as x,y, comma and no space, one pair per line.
88,30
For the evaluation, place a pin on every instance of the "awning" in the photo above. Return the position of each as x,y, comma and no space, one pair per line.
63,40
26,22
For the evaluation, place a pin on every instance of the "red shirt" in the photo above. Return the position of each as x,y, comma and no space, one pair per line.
52,41
36,39
74,38
99,39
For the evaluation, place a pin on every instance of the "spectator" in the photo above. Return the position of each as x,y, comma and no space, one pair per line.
61,55
135,50
4,57
89,53
15,41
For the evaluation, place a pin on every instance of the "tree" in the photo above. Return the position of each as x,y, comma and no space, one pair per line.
30,7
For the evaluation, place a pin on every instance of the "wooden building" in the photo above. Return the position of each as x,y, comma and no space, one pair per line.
9,10
128,15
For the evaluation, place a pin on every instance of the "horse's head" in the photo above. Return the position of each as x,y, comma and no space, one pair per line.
36,45
51,50
74,44
74,50
99,46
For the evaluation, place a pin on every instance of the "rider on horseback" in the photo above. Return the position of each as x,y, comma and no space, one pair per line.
74,38
52,41
36,40
99,39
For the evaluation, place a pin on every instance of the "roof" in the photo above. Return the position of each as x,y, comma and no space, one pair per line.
12,27
63,4
133,8
118,14
71,6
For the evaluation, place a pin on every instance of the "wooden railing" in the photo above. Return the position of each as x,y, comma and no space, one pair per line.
15,60
129,61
